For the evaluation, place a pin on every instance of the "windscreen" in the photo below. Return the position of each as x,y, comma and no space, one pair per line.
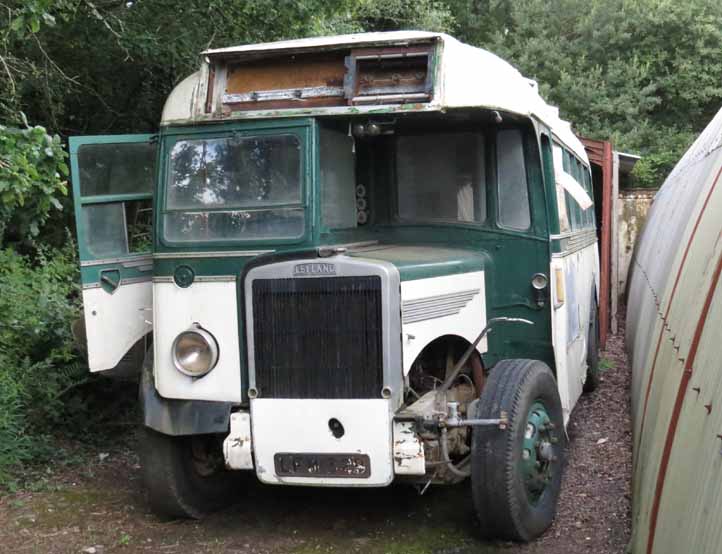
441,176
234,188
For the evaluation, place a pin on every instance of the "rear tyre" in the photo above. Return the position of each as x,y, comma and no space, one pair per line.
185,476
592,381
516,473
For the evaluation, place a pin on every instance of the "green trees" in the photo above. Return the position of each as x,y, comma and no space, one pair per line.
645,73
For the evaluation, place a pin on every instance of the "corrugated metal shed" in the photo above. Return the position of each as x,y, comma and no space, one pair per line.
674,333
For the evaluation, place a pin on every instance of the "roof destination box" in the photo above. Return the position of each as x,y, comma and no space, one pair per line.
320,77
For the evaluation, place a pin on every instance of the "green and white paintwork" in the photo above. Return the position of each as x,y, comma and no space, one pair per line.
490,264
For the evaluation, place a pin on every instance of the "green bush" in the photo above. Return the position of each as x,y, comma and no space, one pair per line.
39,366
32,177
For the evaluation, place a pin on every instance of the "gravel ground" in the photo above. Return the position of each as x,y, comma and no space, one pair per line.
95,505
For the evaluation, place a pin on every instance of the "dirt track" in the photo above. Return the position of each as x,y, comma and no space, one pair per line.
97,506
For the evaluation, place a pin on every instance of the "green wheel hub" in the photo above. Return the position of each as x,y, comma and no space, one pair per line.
538,459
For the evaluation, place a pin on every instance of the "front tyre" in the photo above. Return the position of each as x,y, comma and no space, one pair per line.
516,473
184,476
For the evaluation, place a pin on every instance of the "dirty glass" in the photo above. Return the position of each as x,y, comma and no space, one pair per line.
234,188
511,180
234,225
104,226
116,168
338,180
118,228
441,177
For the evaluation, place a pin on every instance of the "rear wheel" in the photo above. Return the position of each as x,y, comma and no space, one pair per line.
516,473
592,381
184,476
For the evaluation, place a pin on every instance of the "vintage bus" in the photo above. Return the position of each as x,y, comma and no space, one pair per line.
346,261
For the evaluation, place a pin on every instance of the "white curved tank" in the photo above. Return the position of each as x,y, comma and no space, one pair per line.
674,337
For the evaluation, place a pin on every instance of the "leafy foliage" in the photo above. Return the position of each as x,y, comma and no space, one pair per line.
38,363
32,176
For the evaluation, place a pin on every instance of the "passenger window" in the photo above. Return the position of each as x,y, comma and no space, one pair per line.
560,192
588,187
338,180
566,163
441,177
511,180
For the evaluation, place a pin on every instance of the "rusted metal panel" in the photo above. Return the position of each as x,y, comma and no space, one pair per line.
600,153
673,333
382,75
288,72
283,82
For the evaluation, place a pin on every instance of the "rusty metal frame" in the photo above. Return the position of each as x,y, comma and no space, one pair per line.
600,154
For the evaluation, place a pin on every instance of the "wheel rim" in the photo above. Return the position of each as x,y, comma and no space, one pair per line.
538,457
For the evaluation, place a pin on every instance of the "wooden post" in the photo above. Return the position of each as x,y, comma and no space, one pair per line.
614,271
606,243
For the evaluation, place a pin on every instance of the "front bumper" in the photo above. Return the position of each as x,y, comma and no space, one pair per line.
289,426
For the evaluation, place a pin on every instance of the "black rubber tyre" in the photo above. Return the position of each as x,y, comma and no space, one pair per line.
184,476
499,484
592,381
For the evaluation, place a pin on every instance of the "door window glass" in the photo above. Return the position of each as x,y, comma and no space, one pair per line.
126,168
117,228
114,190
511,180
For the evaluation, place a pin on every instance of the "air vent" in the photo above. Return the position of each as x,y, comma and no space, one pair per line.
389,76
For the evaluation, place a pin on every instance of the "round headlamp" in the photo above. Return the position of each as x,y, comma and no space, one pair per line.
195,352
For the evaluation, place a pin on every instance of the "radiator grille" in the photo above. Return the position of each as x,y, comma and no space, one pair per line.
318,337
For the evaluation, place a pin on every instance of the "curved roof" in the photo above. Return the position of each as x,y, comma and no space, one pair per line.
674,316
468,77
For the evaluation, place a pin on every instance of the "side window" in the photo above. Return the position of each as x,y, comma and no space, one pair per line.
115,196
511,180
588,186
338,180
564,225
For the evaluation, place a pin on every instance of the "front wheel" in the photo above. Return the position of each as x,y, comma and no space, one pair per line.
184,476
516,473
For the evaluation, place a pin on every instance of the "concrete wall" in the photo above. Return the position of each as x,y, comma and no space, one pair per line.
632,208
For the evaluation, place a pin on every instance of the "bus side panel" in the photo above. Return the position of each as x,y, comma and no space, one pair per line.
574,276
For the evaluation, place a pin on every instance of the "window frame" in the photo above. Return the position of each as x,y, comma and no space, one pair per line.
523,133
300,128
489,175
84,201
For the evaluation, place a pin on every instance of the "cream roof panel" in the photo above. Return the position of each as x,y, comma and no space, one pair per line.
327,42
469,77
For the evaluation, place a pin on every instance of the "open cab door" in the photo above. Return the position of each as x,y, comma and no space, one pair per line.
113,178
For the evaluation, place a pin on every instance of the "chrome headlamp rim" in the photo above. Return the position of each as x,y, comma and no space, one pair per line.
208,338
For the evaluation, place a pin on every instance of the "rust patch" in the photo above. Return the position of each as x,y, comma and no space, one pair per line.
288,72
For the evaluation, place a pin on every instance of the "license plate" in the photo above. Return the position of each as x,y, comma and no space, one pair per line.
356,466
